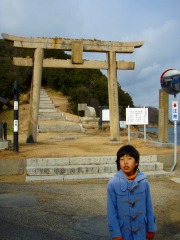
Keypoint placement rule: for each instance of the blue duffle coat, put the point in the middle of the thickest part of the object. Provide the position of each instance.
(129, 207)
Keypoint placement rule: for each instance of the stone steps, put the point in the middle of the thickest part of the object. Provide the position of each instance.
(46, 116)
(61, 127)
(48, 112)
(46, 105)
(102, 167)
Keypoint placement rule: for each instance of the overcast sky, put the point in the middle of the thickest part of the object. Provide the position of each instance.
(156, 22)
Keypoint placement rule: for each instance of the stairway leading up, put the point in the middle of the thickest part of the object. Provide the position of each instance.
(50, 120)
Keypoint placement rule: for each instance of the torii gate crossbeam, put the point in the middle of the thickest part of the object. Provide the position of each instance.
(77, 47)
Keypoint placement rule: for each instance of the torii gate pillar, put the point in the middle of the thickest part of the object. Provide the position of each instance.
(163, 117)
(35, 95)
(113, 96)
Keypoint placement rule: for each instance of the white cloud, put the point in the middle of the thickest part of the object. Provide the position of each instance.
(159, 52)
(146, 72)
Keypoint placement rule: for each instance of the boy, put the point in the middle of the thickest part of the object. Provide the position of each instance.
(129, 206)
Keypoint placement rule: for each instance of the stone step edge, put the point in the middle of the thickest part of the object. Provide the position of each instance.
(84, 169)
(48, 110)
(92, 165)
(105, 176)
(52, 118)
(57, 113)
(82, 160)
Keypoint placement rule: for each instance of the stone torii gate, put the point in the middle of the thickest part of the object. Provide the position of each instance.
(77, 47)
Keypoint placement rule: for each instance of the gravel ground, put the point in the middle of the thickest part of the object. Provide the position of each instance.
(76, 210)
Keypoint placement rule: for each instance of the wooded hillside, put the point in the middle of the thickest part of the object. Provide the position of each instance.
(80, 85)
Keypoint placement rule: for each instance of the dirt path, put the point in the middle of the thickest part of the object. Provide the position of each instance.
(93, 142)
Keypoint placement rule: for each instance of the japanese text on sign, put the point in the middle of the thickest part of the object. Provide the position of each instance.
(175, 110)
(136, 116)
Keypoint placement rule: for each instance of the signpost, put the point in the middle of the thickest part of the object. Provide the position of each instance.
(16, 113)
(136, 116)
(170, 83)
(175, 110)
(175, 119)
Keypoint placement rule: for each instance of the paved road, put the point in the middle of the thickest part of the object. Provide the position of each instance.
(71, 210)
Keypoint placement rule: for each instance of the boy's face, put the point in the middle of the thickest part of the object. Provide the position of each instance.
(128, 164)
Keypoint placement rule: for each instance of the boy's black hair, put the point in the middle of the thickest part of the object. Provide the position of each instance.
(127, 150)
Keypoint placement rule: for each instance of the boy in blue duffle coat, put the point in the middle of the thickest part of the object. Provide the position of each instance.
(129, 205)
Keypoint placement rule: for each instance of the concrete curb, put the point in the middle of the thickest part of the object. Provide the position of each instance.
(12, 167)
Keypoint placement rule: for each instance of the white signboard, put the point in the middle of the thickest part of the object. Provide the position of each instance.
(122, 124)
(175, 110)
(105, 115)
(15, 125)
(136, 116)
(15, 105)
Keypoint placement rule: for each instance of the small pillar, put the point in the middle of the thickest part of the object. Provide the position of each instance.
(77, 52)
(4, 144)
(163, 116)
(1, 131)
(35, 95)
(113, 97)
